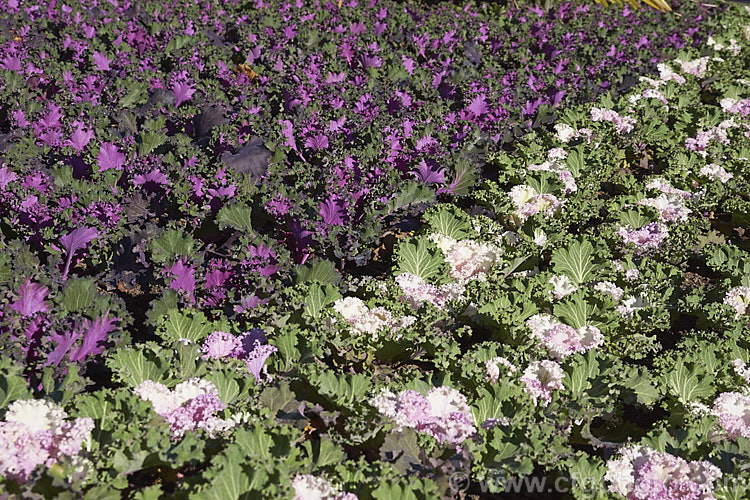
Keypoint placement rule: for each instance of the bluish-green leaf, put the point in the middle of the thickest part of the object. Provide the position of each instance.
(419, 259)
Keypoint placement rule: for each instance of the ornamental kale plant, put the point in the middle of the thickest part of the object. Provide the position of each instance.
(374, 250)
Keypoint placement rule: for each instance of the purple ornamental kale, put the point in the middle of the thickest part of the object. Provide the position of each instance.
(183, 92)
(251, 347)
(478, 105)
(331, 213)
(110, 157)
(426, 174)
(80, 138)
(31, 299)
(76, 240)
(94, 335)
(101, 62)
(6, 177)
(184, 278)
(317, 142)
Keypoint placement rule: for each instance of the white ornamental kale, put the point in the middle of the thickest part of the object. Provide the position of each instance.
(739, 299)
(741, 369)
(696, 67)
(529, 202)
(565, 133)
(733, 411)
(493, 368)
(623, 124)
(609, 288)
(556, 164)
(629, 306)
(362, 319)
(309, 487)
(561, 286)
(468, 259)
(715, 172)
(417, 291)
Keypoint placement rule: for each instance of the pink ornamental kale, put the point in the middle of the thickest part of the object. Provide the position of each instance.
(250, 347)
(541, 378)
(649, 237)
(741, 107)
(641, 473)
(623, 124)
(190, 406)
(443, 413)
(417, 291)
(222, 345)
(36, 433)
(562, 340)
(733, 411)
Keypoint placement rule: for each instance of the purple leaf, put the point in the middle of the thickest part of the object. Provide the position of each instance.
(80, 138)
(52, 119)
(182, 92)
(110, 157)
(478, 106)
(11, 63)
(256, 359)
(64, 343)
(31, 299)
(251, 159)
(287, 131)
(249, 340)
(317, 142)
(78, 238)
(6, 177)
(101, 62)
(531, 107)
(298, 241)
(429, 176)
(50, 137)
(248, 303)
(95, 333)
(331, 213)
(462, 181)
(184, 278)
(558, 97)
(155, 176)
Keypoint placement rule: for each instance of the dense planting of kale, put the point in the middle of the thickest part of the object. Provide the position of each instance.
(174, 170)
(243, 139)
